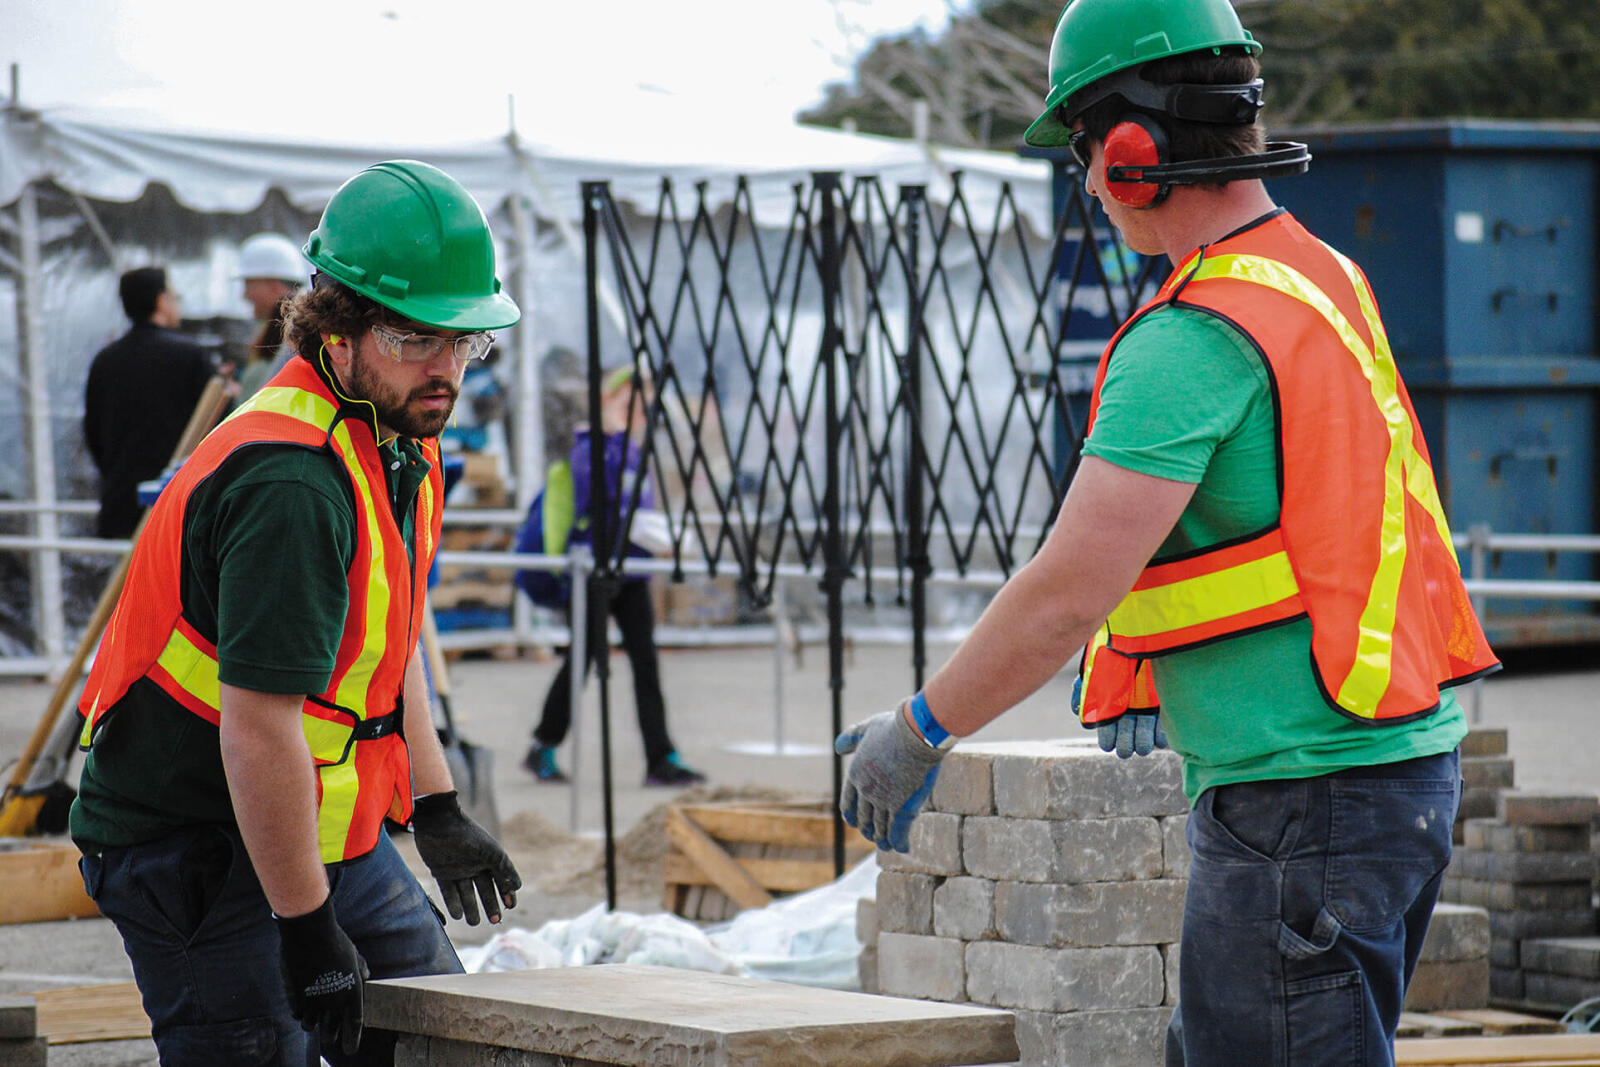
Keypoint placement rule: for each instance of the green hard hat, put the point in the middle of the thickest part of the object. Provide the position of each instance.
(1095, 38)
(407, 235)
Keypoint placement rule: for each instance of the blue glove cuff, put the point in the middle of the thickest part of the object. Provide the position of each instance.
(937, 737)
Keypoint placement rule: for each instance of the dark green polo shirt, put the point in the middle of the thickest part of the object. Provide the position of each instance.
(268, 540)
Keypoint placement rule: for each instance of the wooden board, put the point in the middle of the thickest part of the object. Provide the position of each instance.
(40, 883)
(110, 1012)
(1421, 1024)
(727, 857)
(1525, 1050)
(1495, 1021)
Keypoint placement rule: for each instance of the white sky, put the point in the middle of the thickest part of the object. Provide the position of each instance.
(443, 68)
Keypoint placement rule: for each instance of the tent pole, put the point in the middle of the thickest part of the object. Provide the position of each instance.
(47, 590)
(530, 456)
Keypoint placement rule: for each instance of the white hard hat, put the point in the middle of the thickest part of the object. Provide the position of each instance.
(272, 255)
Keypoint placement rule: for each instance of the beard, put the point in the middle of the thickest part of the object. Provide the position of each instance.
(403, 415)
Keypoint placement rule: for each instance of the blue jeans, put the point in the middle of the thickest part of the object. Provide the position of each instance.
(205, 950)
(1308, 901)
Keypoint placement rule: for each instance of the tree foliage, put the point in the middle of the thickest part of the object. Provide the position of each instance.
(1325, 61)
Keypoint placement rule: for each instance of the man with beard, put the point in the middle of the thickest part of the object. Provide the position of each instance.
(258, 709)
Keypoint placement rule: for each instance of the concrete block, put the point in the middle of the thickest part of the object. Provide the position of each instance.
(1492, 835)
(1531, 808)
(1573, 957)
(928, 968)
(24, 1051)
(1175, 846)
(1456, 932)
(1088, 916)
(1488, 772)
(1525, 924)
(1478, 803)
(1557, 990)
(415, 1050)
(1505, 951)
(1072, 851)
(1505, 983)
(19, 1017)
(1522, 866)
(1134, 1037)
(1485, 741)
(1064, 979)
(963, 908)
(867, 921)
(867, 969)
(1079, 781)
(966, 783)
(935, 847)
(1035, 1037)
(1515, 896)
(1170, 954)
(1443, 985)
(905, 902)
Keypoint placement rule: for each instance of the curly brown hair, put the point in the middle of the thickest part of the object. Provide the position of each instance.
(328, 307)
(1188, 140)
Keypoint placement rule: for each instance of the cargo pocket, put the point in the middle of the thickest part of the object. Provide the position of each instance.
(1325, 1020)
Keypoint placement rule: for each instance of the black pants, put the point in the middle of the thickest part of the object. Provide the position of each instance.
(636, 618)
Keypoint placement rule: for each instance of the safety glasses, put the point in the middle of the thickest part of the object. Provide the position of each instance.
(1078, 144)
(426, 347)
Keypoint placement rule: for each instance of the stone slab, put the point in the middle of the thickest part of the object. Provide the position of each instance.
(1558, 989)
(1519, 896)
(935, 846)
(905, 902)
(1492, 835)
(641, 1015)
(1574, 957)
(1525, 924)
(1064, 850)
(1065, 979)
(1487, 772)
(965, 785)
(1134, 1037)
(1533, 808)
(1522, 866)
(1076, 780)
(929, 968)
(1486, 741)
(1090, 916)
(24, 1051)
(964, 908)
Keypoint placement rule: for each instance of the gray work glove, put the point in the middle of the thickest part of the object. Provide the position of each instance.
(890, 778)
(323, 975)
(1131, 733)
(462, 857)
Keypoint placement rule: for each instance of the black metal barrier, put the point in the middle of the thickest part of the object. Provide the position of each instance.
(877, 389)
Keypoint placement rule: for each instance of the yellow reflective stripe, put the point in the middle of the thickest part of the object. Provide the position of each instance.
(192, 668)
(327, 739)
(340, 786)
(356, 681)
(1205, 598)
(1404, 470)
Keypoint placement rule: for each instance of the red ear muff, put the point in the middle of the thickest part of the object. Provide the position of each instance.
(1134, 143)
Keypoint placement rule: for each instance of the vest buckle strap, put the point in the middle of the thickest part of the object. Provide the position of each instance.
(382, 726)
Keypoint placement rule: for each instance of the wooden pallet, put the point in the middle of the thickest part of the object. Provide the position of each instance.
(1470, 1022)
(41, 883)
(1517, 1050)
(728, 857)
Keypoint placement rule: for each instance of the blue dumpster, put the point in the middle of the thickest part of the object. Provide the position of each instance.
(1480, 241)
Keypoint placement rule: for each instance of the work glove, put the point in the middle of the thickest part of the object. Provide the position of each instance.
(323, 975)
(461, 856)
(890, 778)
(1131, 733)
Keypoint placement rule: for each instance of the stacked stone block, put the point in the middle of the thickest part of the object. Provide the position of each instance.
(1532, 867)
(1487, 771)
(1453, 970)
(1561, 972)
(1046, 878)
(20, 1043)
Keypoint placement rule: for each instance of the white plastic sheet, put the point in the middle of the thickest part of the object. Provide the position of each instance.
(808, 939)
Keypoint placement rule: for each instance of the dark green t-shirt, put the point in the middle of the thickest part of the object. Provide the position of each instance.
(1187, 398)
(268, 541)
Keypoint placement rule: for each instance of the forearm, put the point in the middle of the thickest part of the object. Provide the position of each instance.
(272, 780)
(429, 771)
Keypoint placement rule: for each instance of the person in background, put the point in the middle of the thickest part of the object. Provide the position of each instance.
(272, 270)
(623, 404)
(142, 389)
(258, 714)
(1255, 554)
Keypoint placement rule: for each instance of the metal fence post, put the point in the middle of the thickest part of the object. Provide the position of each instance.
(912, 199)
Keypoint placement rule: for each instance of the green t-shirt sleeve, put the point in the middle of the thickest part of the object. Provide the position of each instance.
(282, 539)
(1180, 383)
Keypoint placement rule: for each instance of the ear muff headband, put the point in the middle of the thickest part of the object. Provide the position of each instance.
(1134, 149)
(1280, 160)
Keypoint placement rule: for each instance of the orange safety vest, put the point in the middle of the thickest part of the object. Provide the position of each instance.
(353, 728)
(1361, 546)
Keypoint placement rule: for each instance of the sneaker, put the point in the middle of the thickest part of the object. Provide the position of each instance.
(541, 763)
(672, 771)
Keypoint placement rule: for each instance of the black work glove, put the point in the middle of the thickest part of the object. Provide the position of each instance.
(322, 973)
(461, 856)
